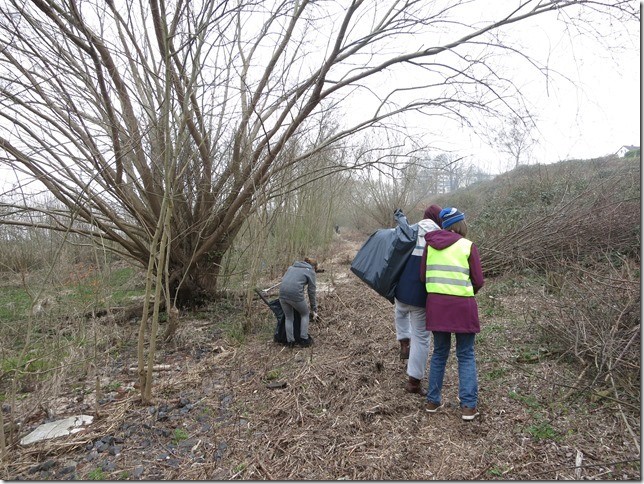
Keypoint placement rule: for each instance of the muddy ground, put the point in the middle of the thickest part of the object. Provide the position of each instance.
(338, 410)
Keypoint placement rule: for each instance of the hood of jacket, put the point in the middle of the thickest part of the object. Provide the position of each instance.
(426, 225)
(439, 239)
(433, 213)
(302, 264)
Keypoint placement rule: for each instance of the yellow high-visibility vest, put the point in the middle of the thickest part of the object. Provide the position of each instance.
(448, 270)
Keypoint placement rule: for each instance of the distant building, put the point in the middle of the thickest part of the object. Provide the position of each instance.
(626, 149)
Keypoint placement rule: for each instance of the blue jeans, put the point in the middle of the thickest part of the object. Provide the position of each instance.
(467, 380)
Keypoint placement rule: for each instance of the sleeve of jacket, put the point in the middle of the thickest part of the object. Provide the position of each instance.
(311, 287)
(476, 272)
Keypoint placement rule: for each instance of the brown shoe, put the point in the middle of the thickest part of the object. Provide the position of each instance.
(432, 407)
(404, 349)
(413, 386)
(469, 413)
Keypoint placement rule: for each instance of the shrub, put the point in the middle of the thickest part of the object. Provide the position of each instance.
(594, 317)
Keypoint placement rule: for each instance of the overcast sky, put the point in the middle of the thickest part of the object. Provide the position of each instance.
(592, 116)
(589, 109)
(597, 114)
(578, 122)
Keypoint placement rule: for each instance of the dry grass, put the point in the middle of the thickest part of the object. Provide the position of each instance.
(342, 412)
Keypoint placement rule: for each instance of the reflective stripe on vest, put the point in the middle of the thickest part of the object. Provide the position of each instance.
(448, 270)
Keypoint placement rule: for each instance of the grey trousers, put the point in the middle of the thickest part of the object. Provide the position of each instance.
(411, 321)
(301, 307)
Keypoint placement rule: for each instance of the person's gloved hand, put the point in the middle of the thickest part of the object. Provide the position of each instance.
(314, 315)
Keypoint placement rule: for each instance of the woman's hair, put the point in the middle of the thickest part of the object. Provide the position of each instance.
(459, 227)
(312, 261)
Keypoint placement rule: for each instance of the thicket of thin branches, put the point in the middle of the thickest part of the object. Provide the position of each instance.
(593, 315)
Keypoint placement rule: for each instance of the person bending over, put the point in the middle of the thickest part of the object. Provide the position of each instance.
(291, 295)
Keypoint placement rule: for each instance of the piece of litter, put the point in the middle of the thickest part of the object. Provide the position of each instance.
(59, 428)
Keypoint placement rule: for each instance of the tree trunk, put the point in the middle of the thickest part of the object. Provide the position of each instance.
(199, 286)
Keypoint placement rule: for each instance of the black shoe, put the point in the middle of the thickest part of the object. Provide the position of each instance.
(290, 344)
(305, 342)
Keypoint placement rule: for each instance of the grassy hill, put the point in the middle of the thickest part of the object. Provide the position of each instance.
(540, 215)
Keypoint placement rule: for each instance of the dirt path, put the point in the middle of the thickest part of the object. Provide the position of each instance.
(338, 410)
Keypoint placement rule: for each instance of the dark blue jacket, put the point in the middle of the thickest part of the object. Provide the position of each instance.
(410, 288)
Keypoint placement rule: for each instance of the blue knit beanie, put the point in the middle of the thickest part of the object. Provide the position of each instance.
(449, 216)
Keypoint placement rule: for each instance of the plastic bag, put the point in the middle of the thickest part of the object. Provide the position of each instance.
(381, 259)
(280, 327)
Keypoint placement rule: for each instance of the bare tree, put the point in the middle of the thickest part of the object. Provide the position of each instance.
(84, 85)
(451, 170)
(377, 193)
(516, 139)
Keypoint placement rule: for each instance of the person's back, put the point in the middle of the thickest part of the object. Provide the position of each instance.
(410, 288)
(446, 310)
(453, 275)
(297, 276)
(409, 306)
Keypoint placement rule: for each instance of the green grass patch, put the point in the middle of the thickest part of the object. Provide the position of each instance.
(495, 471)
(87, 294)
(495, 374)
(96, 475)
(543, 431)
(202, 315)
(179, 435)
(531, 354)
(528, 400)
(14, 304)
(491, 332)
(30, 363)
(121, 297)
(206, 412)
(113, 386)
(123, 276)
(240, 467)
(231, 320)
(540, 429)
(267, 325)
(274, 374)
(490, 306)
(124, 285)
(234, 332)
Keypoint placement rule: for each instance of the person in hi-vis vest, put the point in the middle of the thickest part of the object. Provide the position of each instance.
(451, 270)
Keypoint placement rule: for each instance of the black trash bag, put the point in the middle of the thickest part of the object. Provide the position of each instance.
(280, 328)
(381, 259)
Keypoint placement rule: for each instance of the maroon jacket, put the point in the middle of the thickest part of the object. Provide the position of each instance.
(443, 312)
